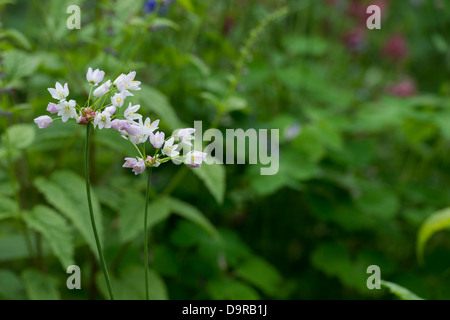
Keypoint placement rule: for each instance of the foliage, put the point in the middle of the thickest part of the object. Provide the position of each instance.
(364, 139)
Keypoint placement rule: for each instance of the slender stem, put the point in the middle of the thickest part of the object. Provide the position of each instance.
(91, 212)
(146, 233)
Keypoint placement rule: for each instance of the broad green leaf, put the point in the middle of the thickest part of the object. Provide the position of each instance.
(67, 192)
(55, 229)
(20, 135)
(13, 247)
(436, 222)
(213, 176)
(11, 286)
(19, 64)
(261, 274)
(191, 213)
(8, 208)
(152, 100)
(130, 285)
(17, 36)
(334, 260)
(40, 286)
(400, 291)
(131, 214)
(231, 290)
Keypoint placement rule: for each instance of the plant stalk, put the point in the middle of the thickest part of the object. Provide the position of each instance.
(91, 213)
(147, 195)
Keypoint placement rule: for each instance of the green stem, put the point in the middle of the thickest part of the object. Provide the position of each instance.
(91, 212)
(146, 233)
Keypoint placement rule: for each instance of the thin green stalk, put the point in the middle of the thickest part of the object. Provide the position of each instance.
(146, 232)
(91, 212)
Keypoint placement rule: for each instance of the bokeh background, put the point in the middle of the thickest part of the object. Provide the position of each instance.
(364, 120)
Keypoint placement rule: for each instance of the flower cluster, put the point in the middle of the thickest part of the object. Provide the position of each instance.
(130, 124)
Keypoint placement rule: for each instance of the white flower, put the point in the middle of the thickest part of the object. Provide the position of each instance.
(111, 110)
(59, 93)
(103, 89)
(140, 137)
(151, 126)
(185, 135)
(127, 82)
(102, 120)
(169, 148)
(118, 99)
(194, 159)
(43, 121)
(94, 77)
(157, 139)
(67, 110)
(130, 113)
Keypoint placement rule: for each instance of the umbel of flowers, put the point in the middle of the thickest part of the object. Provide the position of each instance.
(102, 109)
(105, 113)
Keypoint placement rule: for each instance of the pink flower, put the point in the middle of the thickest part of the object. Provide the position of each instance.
(403, 88)
(52, 108)
(354, 40)
(139, 167)
(396, 48)
(43, 121)
(129, 163)
(157, 139)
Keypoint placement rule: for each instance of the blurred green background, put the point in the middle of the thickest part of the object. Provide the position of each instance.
(364, 120)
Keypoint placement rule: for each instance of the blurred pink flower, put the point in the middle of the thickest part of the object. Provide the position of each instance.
(396, 48)
(403, 88)
(354, 40)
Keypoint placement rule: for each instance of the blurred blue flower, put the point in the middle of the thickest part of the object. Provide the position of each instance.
(150, 6)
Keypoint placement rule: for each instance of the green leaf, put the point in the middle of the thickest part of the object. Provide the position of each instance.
(131, 214)
(66, 192)
(20, 135)
(13, 247)
(261, 274)
(11, 286)
(19, 64)
(231, 290)
(130, 285)
(40, 286)
(400, 291)
(55, 229)
(213, 176)
(8, 208)
(164, 23)
(201, 66)
(153, 100)
(192, 214)
(17, 36)
(436, 222)
(235, 103)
